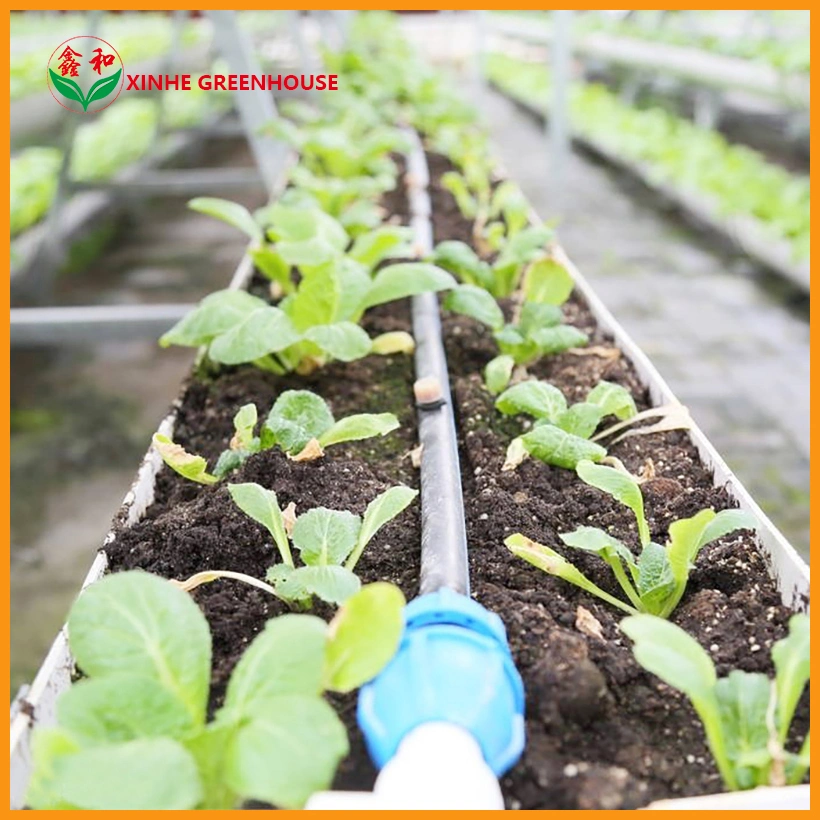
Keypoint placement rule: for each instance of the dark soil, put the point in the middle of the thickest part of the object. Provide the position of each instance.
(602, 733)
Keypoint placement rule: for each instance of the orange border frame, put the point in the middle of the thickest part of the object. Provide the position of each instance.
(815, 417)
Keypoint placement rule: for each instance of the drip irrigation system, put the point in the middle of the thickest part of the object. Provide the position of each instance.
(445, 718)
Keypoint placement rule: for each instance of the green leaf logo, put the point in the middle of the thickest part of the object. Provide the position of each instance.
(72, 91)
(102, 88)
(68, 88)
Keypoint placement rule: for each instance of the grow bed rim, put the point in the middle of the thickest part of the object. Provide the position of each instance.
(85, 204)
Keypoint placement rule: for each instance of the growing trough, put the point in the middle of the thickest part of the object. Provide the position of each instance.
(692, 65)
(37, 705)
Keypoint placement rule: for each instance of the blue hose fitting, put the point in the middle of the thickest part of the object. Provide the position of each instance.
(453, 665)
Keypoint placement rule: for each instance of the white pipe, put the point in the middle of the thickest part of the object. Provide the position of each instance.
(437, 766)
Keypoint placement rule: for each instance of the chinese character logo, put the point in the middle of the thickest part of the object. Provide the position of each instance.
(89, 63)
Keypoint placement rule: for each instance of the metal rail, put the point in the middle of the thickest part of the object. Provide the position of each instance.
(50, 326)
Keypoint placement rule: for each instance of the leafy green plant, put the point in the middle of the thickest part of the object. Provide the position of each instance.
(330, 543)
(133, 733)
(537, 332)
(300, 423)
(33, 176)
(342, 148)
(498, 214)
(560, 433)
(525, 262)
(316, 324)
(653, 583)
(295, 233)
(739, 180)
(745, 715)
(350, 200)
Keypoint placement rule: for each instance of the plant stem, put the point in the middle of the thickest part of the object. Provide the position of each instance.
(271, 364)
(611, 599)
(709, 714)
(626, 584)
(802, 763)
(354, 556)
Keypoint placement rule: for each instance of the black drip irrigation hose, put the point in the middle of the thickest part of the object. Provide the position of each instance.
(443, 531)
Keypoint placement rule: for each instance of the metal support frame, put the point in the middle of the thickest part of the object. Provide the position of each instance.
(559, 137)
(82, 325)
(49, 326)
(256, 108)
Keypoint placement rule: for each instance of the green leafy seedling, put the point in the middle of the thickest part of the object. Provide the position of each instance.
(133, 733)
(329, 542)
(538, 332)
(745, 715)
(653, 583)
(561, 432)
(300, 423)
(314, 325)
(524, 262)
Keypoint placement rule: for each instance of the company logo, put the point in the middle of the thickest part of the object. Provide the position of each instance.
(85, 74)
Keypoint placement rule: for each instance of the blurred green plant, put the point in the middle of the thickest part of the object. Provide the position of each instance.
(740, 180)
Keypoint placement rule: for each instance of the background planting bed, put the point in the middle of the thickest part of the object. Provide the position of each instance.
(547, 777)
(78, 214)
(747, 234)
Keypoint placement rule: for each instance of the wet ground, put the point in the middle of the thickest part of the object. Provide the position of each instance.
(82, 417)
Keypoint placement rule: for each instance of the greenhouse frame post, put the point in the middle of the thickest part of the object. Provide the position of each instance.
(256, 108)
(561, 54)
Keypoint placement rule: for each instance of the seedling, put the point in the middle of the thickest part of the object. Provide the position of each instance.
(342, 149)
(351, 201)
(657, 579)
(296, 233)
(300, 423)
(538, 332)
(330, 543)
(745, 715)
(498, 215)
(133, 732)
(524, 263)
(560, 433)
(316, 324)
(318, 319)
